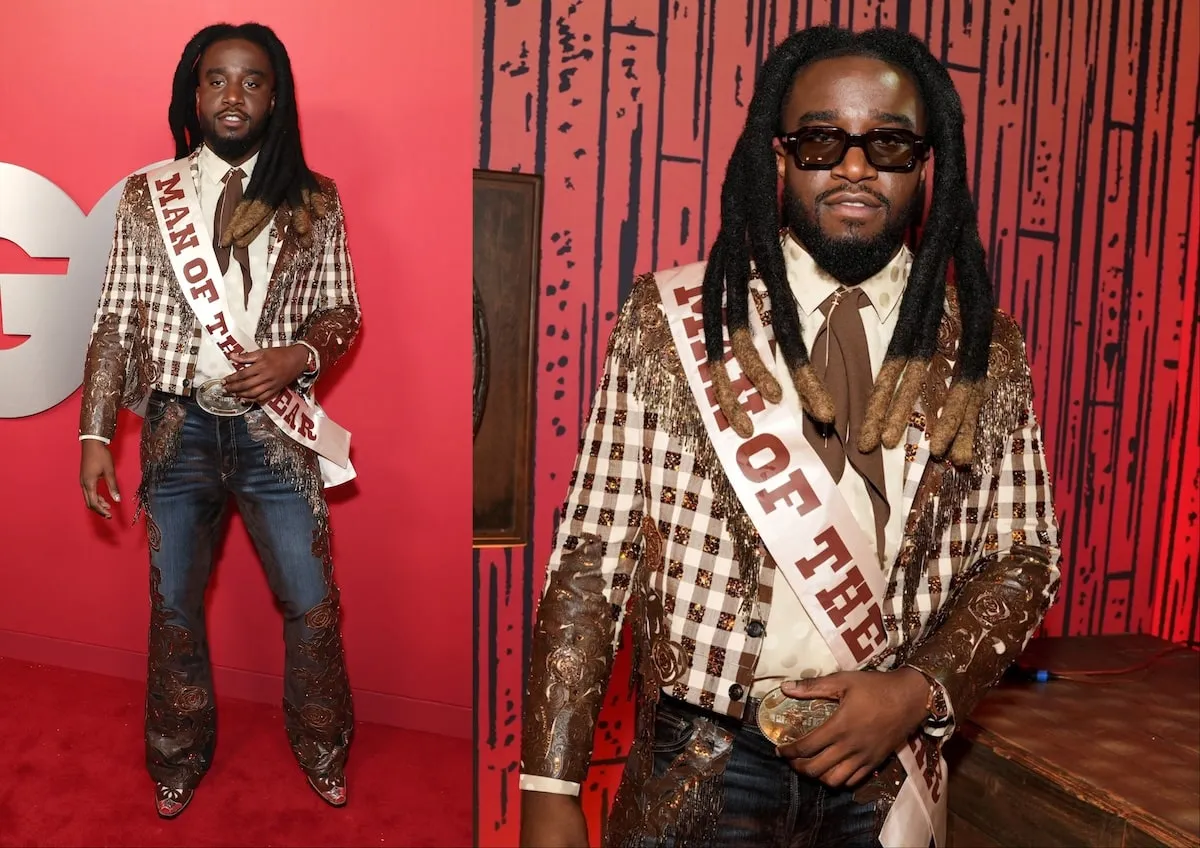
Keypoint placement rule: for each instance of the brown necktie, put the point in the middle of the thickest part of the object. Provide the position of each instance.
(227, 203)
(842, 361)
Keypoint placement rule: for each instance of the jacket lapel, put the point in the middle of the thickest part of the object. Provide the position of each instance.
(916, 457)
(194, 167)
(928, 407)
(277, 245)
(275, 234)
(762, 304)
(281, 251)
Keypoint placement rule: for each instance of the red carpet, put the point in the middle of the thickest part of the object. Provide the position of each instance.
(72, 774)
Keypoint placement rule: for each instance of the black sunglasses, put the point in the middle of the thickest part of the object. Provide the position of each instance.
(822, 148)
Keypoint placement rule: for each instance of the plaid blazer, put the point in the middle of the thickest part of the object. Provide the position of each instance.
(649, 505)
(145, 335)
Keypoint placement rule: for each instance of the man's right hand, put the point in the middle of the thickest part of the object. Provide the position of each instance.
(549, 820)
(95, 462)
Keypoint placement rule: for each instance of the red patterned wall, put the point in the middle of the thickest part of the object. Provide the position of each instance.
(1082, 118)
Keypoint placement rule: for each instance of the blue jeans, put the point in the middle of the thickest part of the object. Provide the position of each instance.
(766, 802)
(192, 463)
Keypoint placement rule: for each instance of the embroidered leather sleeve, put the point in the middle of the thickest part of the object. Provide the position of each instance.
(1000, 600)
(333, 326)
(588, 581)
(987, 625)
(572, 656)
(112, 341)
(331, 332)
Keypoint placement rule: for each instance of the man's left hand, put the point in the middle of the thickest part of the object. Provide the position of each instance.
(877, 713)
(264, 373)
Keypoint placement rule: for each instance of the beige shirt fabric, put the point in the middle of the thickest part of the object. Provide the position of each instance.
(211, 364)
(792, 645)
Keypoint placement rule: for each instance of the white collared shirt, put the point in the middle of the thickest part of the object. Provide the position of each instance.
(792, 645)
(210, 362)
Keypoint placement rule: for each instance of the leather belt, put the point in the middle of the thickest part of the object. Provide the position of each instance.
(169, 397)
(749, 712)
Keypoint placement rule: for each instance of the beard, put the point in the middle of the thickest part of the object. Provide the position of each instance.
(234, 148)
(850, 259)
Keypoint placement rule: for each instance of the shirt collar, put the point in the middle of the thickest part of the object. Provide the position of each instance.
(811, 286)
(213, 168)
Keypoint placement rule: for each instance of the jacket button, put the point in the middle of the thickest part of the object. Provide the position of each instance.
(735, 692)
(755, 629)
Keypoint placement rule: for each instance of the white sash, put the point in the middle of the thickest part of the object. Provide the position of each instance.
(806, 525)
(189, 245)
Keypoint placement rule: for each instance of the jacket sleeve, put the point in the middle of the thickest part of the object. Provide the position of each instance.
(110, 350)
(1002, 597)
(588, 579)
(334, 325)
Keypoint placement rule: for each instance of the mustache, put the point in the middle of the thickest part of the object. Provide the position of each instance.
(825, 195)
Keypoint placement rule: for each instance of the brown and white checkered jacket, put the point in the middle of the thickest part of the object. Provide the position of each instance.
(146, 337)
(649, 506)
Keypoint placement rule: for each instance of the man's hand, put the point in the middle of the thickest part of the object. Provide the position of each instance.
(96, 461)
(878, 712)
(549, 820)
(264, 373)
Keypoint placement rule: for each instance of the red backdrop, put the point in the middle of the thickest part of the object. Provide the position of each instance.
(1081, 121)
(86, 88)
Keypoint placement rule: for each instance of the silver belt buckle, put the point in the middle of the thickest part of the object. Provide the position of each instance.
(214, 400)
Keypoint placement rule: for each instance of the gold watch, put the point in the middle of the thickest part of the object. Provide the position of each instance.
(936, 706)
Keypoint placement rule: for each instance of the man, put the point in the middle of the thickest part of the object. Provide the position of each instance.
(229, 291)
(814, 470)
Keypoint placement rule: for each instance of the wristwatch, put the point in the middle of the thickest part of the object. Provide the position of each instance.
(936, 706)
(313, 363)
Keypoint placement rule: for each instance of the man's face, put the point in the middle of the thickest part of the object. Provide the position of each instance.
(852, 217)
(234, 98)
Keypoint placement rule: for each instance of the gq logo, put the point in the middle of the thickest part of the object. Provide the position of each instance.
(54, 311)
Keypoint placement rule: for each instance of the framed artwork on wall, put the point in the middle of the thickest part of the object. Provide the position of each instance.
(507, 226)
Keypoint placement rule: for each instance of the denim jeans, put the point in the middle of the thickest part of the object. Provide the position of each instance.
(192, 464)
(766, 802)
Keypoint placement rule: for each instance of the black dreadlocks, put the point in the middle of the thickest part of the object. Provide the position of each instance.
(750, 226)
(281, 174)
